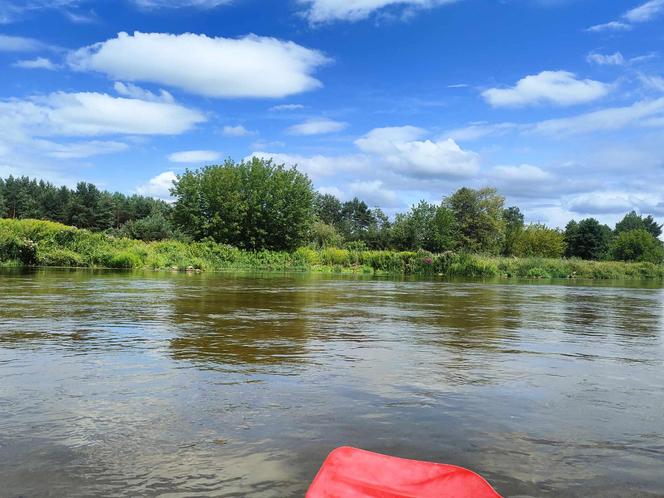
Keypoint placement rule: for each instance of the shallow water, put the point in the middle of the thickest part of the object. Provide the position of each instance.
(121, 384)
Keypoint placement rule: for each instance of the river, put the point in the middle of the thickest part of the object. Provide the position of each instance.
(149, 384)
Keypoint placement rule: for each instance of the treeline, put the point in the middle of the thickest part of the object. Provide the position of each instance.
(86, 207)
(259, 205)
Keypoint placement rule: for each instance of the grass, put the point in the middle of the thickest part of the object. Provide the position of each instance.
(45, 243)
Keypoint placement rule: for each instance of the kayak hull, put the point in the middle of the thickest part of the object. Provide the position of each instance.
(354, 473)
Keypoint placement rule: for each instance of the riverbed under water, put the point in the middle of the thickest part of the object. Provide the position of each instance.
(147, 384)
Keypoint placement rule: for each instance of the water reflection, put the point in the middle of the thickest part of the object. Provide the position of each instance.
(233, 385)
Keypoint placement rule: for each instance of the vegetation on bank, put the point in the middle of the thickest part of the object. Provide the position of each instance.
(272, 211)
(44, 243)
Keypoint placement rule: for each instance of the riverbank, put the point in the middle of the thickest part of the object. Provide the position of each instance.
(44, 243)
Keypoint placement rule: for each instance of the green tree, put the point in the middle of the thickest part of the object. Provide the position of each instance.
(478, 216)
(356, 219)
(2, 199)
(637, 245)
(328, 209)
(633, 221)
(150, 228)
(513, 226)
(254, 204)
(539, 240)
(587, 239)
(324, 235)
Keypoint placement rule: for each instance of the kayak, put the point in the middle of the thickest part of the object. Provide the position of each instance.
(354, 473)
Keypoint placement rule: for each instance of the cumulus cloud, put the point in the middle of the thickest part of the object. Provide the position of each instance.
(553, 87)
(394, 150)
(400, 148)
(222, 67)
(316, 127)
(615, 59)
(319, 11)
(236, 131)
(158, 186)
(194, 156)
(374, 193)
(37, 63)
(88, 113)
(317, 166)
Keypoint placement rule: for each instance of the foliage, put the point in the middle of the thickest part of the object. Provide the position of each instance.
(324, 235)
(539, 241)
(427, 226)
(84, 207)
(253, 205)
(150, 228)
(514, 223)
(633, 221)
(587, 239)
(327, 209)
(478, 216)
(31, 242)
(637, 245)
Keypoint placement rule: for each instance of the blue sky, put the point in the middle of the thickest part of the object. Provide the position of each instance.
(557, 103)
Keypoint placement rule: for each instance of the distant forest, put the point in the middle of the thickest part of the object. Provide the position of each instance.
(258, 205)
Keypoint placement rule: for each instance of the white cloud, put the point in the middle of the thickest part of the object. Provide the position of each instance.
(251, 66)
(612, 118)
(20, 44)
(176, 4)
(479, 130)
(603, 202)
(400, 149)
(194, 156)
(335, 191)
(319, 11)
(287, 107)
(645, 12)
(524, 175)
(12, 10)
(610, 26)
(236, 131)
(136, 92)
(317, 166)
(84, 114)
(316, 127)
(374, 193)
(615, 59)
(79, 150)
(555, 87)
(653, 82)
(159, 186)
(37, 63)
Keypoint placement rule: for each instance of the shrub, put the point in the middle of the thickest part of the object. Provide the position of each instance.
(538, 240)
(637, 245)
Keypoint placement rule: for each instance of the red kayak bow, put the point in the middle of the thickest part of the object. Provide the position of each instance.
(352, 473)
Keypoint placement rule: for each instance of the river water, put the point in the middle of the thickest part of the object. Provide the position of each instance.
(145, 384)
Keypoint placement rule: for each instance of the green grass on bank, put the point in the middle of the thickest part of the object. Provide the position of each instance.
(44, 243)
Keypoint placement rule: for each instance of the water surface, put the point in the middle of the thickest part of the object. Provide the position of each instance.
(121, 384)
